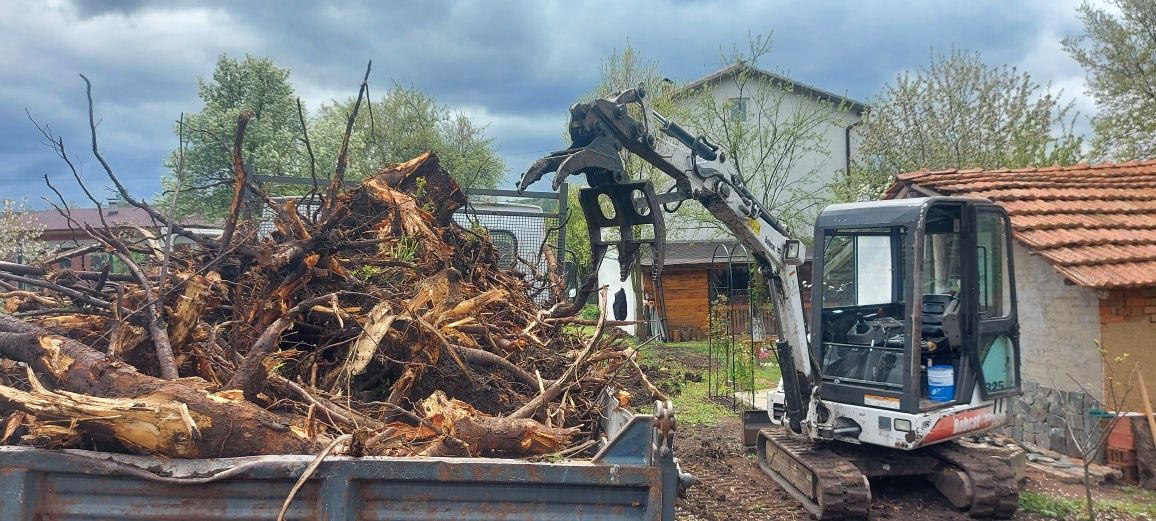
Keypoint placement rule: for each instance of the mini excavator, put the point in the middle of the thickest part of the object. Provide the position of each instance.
(914, 337)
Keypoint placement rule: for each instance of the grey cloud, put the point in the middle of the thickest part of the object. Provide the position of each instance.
(519, 63)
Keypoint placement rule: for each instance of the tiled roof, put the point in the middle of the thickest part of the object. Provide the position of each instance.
(1096, 224)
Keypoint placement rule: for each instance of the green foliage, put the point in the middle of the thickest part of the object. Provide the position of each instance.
(1118, 51)
(1135, 503)
(395, 128)
(590, 312)
(1052, 507)
(577, 234)
(271, 139)
(733, 351)
(399, 126)
(957, 112)
(405, 249)
(366, 272)
(686, 383)
(19, 232)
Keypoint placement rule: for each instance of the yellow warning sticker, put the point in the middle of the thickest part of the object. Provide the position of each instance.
(754, 225)
(880, 401)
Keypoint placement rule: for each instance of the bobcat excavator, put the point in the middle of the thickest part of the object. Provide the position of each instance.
(914, 339)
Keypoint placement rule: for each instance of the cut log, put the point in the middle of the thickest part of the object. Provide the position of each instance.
(487, 434)
(228, 425)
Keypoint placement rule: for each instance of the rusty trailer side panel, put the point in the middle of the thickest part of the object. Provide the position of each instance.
(632, 477)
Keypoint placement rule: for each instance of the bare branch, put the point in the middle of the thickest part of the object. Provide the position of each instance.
(239, 179)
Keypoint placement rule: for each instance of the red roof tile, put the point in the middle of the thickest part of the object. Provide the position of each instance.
(1096, 224)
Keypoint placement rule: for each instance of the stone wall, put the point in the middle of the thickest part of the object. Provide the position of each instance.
(1042, 416)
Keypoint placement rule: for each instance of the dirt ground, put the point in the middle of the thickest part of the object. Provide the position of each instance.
(731, 486)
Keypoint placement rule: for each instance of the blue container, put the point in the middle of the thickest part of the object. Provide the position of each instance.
(941, 383)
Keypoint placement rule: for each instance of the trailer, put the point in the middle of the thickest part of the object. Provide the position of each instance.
(634, 476)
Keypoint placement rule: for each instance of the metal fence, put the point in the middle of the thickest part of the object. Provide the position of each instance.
(527, 229)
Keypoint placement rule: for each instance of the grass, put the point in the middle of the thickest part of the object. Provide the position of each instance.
(1136, 504)
(691, 396)
(673, 363)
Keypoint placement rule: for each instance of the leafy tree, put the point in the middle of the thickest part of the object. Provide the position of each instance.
(1118, 51)
(19, 232)
(957, 112)
(401, 125)
(396, 128)
(271, 140)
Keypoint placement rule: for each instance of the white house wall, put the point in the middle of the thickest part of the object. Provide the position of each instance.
(826, 164)
(608, 276)
(1059, 324)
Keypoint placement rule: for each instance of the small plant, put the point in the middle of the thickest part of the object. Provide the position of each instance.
(405, 249)
(366, 272)
(589, 312)
(419, 191)
(1049, 506)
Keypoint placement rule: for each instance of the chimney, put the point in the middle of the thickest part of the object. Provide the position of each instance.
(113, 207)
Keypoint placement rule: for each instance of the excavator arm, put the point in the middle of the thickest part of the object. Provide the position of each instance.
(600, 131)
(830, 482)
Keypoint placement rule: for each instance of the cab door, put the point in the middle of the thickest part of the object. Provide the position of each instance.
(997, 351)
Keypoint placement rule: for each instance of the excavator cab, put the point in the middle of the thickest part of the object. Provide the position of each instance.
(913, 304)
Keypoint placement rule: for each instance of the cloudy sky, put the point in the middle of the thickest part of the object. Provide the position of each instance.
(514, 66)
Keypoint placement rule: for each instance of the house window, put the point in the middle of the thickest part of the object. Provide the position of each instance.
(738, 109)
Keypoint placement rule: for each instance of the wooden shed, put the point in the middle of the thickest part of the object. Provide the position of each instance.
(694, 275)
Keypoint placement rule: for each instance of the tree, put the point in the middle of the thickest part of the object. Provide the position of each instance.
(402, 124)
(271, 139)
(1119, 54)
(19, 232)
(957, 112)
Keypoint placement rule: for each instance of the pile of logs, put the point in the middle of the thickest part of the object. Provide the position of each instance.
(375, 317)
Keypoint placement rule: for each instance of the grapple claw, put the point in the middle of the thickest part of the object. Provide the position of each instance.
(633, 203)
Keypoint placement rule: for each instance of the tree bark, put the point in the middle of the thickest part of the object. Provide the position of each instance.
(226, 425)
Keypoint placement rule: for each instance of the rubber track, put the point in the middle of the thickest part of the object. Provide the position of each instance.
(992, 481)
(842, 490)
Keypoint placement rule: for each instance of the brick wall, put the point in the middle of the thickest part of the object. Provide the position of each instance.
(1128, 305)
(1128, 332)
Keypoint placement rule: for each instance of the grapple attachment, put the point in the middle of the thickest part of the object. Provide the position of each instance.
(612, 200)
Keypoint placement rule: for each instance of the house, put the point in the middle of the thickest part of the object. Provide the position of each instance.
(765, 98)
(63, 233)
(1085, 267)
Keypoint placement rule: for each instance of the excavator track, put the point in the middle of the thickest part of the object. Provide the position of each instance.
(827, 484)
(994, 493)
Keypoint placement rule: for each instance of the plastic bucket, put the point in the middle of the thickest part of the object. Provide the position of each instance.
(941, 383)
